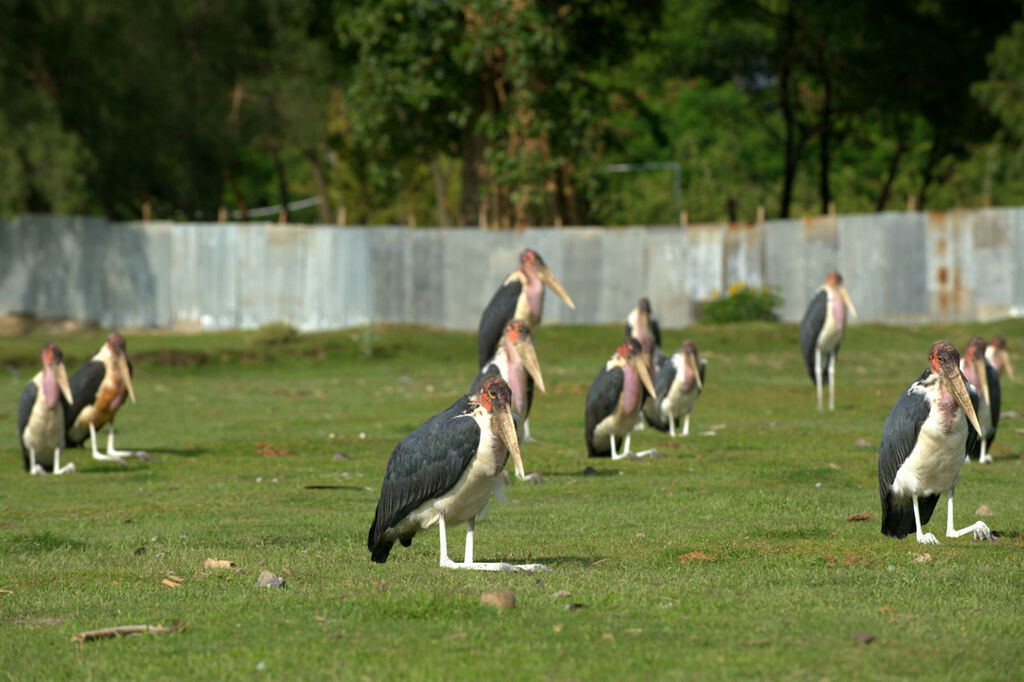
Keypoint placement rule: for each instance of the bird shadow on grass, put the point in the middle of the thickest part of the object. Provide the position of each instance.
(586, 473)
(334, 487)
(178, 452)
(555, 562)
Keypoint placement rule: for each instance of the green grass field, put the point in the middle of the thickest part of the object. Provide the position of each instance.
(730, 557)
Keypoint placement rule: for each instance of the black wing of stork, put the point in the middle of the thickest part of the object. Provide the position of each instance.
(810, 328)
(426, 463)
(662, 384)
(601, 400)
(28, 399)
(899, 436)
(995, 395)
(497, 314)
(85, 384)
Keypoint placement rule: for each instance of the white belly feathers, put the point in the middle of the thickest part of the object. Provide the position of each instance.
(934, 464)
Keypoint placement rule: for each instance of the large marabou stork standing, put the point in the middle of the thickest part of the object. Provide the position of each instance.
(614, 400)
(41, 416)
(985, 379)
(821, 332)
(677, 385)
(924, 442)
(444, 472)
(99, 389)
(997, 354)
(515, 362)
(520, 297)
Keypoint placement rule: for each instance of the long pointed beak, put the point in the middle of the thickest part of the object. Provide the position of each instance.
(691, 360)
(122, 366)
(640, 365)
(981, 370)
(1004, 357)
(959, 390)
(528, 354)
(507, 432)
(62, 382)
(551, 282)
(845, 295)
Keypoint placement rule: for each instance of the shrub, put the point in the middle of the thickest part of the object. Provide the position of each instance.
(740, 304)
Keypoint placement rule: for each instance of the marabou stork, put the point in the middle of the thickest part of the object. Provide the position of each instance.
(641, 325)
(924, 442)
(676, 387)
(515, 362)
(521, 297)
(41, 416)
(996, 354)
(821, 332)
(985, 379)
(613, 402)
(99, 389)
(444, 472)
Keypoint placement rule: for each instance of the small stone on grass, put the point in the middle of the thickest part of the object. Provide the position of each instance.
(863, 637)
(501, 600)
(984, 510)
(268, 579)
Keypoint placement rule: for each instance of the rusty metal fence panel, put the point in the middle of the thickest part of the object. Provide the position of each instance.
(899, 267)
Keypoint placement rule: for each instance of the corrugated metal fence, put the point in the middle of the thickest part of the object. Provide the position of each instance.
(899, 268)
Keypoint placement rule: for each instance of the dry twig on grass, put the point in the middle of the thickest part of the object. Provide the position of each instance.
(118, 631)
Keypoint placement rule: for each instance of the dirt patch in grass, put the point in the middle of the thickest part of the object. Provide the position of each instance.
(697, 555)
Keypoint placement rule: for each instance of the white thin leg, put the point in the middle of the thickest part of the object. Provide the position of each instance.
(832, 382)
(923, 538)
(615, 455)
(671, 425)
(57, 469)
(468, 562)
(625, 446)
(985, 458)
(467, 558)
(34, 468)
(96, 454)
(686, 425)
(980, 529)
(817, 375)
(121, 453)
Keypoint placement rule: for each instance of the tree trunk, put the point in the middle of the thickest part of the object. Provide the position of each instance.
(471, 149)
(894, 163)
(239, 199)
(316, 157)
(788, 114)
(440, 193)
(825, 147)
(282, 184)
(928, 174)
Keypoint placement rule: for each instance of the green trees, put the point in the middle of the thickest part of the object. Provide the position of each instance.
(508, 113)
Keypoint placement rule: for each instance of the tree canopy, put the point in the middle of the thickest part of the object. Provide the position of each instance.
(509, 113)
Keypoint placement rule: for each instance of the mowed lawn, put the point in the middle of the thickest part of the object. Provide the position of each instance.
(732, 556)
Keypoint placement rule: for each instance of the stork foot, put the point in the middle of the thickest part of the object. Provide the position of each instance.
(985, 459)
(652, 454)
(37, 470)
(927, 539)
(68, 468)
(138, 454)
(982, 533)
(108, 458)
(494, 566)
(532, 478)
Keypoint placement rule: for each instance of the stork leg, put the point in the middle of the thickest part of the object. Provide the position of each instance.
(616, 455)
(34, 468)
(686, 425)
(625, 445)
(923, 538)
(57, 469)
(985, 458)
(467, 560)
(96, 454)
(979, 528)
(832, 382)
(141, 454)
(817, 375)
(671, 425)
